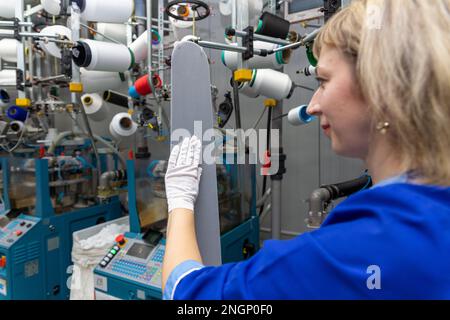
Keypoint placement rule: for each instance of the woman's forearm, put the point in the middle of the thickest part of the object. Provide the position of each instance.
(181, 241)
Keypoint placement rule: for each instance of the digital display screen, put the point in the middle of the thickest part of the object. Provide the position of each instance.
(140, 250)
(302, 5)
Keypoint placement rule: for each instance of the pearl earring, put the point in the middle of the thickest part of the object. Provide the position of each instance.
(383, 126)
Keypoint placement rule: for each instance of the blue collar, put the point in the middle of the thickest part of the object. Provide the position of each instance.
(403, 178)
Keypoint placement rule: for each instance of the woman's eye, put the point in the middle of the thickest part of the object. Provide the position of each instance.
(321, 82)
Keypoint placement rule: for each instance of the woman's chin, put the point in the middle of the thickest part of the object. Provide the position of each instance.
(343, 150)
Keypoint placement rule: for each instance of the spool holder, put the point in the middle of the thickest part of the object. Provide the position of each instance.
(225, 110)
(19, 80)
(16, 29)
(247, 42)
(66, 62)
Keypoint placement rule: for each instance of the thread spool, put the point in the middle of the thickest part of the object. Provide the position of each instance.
(17, 113)
(247, 90)
(112, 11)
(52, 48)
(94, 106)
(142, 86)
(102, 56)
(116, 98)
(8, 77)
(52, 6)
(272, 84)
(298, 116)
(4, 98)
(98, 81)
(273, 26)
(139, 47)
(122, 125)
(273, 61)
(8, 50)
(310, 71)
(16, 126)
(115, 31)
(7, 9)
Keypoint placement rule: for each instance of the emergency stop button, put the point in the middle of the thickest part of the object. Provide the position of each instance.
(120, 239)
(18, 233)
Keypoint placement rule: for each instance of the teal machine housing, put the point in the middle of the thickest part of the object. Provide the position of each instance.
(35, 249)
(132, 268)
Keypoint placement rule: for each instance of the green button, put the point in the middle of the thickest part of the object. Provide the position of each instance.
(113, 251)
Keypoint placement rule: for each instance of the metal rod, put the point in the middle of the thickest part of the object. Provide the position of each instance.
(38, 35)
(21, 47)
(276, 182)
(310, 37)
(289, 46)
(7, 33)
(58, 77)
(220, 46)
(264, 198)
(3, 33)
(262, 37)
(149, 52)
(304, 87)
(154, 26)
(227, 47)
(153, 19)
(30, 55)
(93, 30)
(31, 11)
(129, 77)
(276, 209)
(70, 43)
(161, 57)
(11, 24)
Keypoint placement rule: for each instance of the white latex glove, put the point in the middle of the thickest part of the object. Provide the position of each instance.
(183, 174)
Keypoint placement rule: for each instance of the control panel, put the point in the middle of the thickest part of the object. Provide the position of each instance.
(3, 283)
(136, 260)
(15, 230)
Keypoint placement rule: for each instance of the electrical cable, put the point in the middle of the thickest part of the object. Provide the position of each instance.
(91, 137)
(259, 119)
(20, 138)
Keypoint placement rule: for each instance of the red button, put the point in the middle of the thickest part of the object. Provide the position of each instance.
(120, 239)
(3, 262)
(19, 233)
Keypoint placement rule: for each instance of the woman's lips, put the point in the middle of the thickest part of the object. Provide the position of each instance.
(326, 129)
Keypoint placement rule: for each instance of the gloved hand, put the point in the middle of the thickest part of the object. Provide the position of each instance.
(183, 174)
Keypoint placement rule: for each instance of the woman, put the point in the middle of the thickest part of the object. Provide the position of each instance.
(384, 97)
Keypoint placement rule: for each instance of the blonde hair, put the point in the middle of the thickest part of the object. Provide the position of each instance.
(401, 50)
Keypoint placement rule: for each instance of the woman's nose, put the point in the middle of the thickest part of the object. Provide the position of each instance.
(314, 107)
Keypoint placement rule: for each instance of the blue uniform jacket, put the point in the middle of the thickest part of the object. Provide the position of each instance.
(388, 242)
